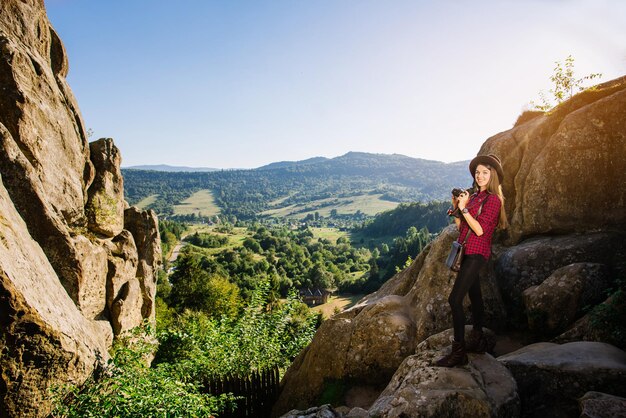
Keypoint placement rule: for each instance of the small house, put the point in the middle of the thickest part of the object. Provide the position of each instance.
(314, 297)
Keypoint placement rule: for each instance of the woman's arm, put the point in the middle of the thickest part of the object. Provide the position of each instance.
(473, 223)
(486, 221)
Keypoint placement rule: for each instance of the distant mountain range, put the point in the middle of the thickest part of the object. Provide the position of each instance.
(171, 168)
(354, 181)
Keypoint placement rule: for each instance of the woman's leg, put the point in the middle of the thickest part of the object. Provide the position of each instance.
(466, 278)
(478, 308)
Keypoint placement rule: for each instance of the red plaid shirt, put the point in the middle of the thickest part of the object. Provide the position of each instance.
(488, 220)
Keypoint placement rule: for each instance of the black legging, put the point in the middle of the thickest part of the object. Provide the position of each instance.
(467, 282)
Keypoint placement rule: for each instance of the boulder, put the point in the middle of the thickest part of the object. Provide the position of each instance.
(551, 377)
(324, 411)
(105, 205)
(365, 344)
(44, 338)
(604, 323)
(602, 405)
(336, 357)
(559, 300)
(532, 261)
(144, 226)
(483, 388)
(357, 413)
(574, 151)
(124, 297)
(91, 276)
(46, 154)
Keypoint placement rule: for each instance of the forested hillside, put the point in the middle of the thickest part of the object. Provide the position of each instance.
(247, 193)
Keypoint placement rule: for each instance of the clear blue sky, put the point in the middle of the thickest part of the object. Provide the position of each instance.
(244, 83)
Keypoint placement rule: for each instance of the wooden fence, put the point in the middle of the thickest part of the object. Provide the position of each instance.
(258, 391)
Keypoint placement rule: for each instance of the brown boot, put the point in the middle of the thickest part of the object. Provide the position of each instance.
(457, 356)
(476, 342)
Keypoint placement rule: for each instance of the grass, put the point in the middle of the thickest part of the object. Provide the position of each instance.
(280, 200)
(201, 202)
(235, 238)
(340, 302)
(370, 204)
(331, 234)
(358, 239)
(144, 203)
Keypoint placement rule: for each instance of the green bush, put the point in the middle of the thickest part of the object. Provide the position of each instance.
(127, 387)
(198, 347)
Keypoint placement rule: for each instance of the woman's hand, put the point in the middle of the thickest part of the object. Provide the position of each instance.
(462, 200)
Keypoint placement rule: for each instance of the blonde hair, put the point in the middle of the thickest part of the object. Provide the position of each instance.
(494, 187)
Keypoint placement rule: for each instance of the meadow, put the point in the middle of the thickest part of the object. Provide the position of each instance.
(144, 203)
(201, 202)
(337, 303)
(369, 204)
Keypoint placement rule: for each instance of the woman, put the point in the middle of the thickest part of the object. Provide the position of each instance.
(479, 215)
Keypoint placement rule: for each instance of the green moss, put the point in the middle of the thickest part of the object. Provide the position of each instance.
(608, 319)
(102, 209)
(537, 321)
(333, 392)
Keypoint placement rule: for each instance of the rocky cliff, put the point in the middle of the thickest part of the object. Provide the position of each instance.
(566, 202)
(77, 266)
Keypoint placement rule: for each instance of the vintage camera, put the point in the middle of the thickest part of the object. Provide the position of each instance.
(457, 191)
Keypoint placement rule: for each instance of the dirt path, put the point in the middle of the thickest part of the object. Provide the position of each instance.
(175, 252)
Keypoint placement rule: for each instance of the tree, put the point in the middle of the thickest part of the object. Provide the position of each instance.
(196, 289)
(565, 85)
(321, 278)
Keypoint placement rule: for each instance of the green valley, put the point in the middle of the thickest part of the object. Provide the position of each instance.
(352, 184)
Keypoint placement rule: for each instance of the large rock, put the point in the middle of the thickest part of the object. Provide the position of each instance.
(602, 405)
(532, 261)
(564, 169)
(428, 296)
(124, 297)
(604, 323)
(365, 344)
(483, 388)
(74, 275)
(105, 206)
(559, 300)
(551, 377)
(44, 338)
(144, 226)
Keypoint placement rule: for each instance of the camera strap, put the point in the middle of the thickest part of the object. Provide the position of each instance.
(469, 228)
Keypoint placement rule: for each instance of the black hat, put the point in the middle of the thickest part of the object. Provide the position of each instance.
(490, 160)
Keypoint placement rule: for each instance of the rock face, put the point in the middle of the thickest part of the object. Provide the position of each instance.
(483, 388)
(601, 405)
(367, 343)
(43, 334)
(74, 269)
(105, 206)
(575, 151)
(532, 261)
(552, 377)
(559, 300)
